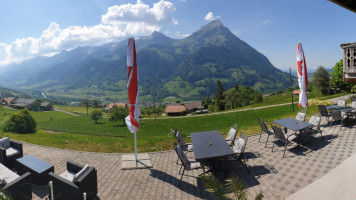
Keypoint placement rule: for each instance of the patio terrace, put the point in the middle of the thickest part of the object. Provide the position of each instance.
(277, 177)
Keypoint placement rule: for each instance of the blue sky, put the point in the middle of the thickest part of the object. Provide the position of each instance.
(44, 27)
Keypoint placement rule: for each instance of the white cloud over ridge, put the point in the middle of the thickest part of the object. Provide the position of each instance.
(210, 16)
(119, 22)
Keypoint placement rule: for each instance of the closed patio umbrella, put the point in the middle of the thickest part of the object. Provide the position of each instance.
(132, 120)
(302, 77)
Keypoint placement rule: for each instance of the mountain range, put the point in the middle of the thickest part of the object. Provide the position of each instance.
(187, 68)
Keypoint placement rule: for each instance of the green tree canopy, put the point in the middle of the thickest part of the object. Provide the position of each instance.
(219, 97)
(95, 103)
(21, 122)
(321, 78)
(96, 115)
(119, 114)
(86, 103)
(337, 79)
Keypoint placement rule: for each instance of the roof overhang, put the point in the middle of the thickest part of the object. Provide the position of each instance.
(348, 4)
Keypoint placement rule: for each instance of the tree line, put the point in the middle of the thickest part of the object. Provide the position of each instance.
(233, 98)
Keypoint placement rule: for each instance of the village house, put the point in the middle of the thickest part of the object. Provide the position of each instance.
(8, 100)
(111, 105)
(174, 110)
(194, 107)
(46, 106)
(31, 104)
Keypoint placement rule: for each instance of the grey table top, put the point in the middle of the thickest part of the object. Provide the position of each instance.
(293, 124)
(346, 109)
(209, 145)
(34, 163)
(334, 107)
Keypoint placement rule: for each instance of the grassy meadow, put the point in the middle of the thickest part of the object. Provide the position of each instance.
(62, 130)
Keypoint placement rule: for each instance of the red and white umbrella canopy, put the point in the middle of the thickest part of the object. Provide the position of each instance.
(302, 76)
(132, 121)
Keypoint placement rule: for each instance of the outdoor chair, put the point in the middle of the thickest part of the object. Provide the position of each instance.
(341, 103)
(239, 150)
(315, 120)
(186, 163)
(285, 138)
(353, 104)
(231, 136)
(337, 116)
(10, 151)
(76, 180)
(18, 187)
(264, 129)
(353, 112)
(324, 112)
(301, 116)
(184, 146)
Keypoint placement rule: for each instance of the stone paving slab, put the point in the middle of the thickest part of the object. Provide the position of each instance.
(132, 164)
(140, 156)
(275, 176)
(339, 183)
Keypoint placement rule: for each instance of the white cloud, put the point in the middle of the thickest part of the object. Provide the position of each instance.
(181, 35)
(210, 16)
(119, 22)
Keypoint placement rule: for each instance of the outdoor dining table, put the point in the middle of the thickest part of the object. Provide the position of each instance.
(294, 125)
(334, 107)
(345, 109)
(209, 145)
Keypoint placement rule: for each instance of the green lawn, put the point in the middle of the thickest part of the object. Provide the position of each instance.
(153, 135)
(66, 131)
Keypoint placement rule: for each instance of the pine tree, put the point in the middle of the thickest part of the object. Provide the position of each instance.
(219, 97)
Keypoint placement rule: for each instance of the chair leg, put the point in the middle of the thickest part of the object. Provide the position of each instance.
(285, 147)
(273, 143)
(181, 177)
(341, 124)
(267, 139)
(244, 163)
(180, 169)
(177, 161)
(259, 140)
(310, 138)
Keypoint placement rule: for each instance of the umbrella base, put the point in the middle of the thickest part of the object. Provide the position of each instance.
(128, 161)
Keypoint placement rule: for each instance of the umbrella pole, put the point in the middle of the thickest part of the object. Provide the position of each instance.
(135, 149)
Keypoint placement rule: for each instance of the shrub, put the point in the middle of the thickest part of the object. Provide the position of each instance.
(21, 122)
(96, 115)
(317, 102)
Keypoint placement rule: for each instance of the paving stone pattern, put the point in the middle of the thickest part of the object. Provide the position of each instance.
(275, 176)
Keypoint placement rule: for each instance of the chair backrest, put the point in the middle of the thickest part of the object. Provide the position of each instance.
(336, 114)
(341, 103)
(232, 133)
(278, 133)
(353, 104)
(315, 119)
(240, 144)
(263, 125)
(182, 157)
(301, 116)
(179, 139)
(323, 111)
